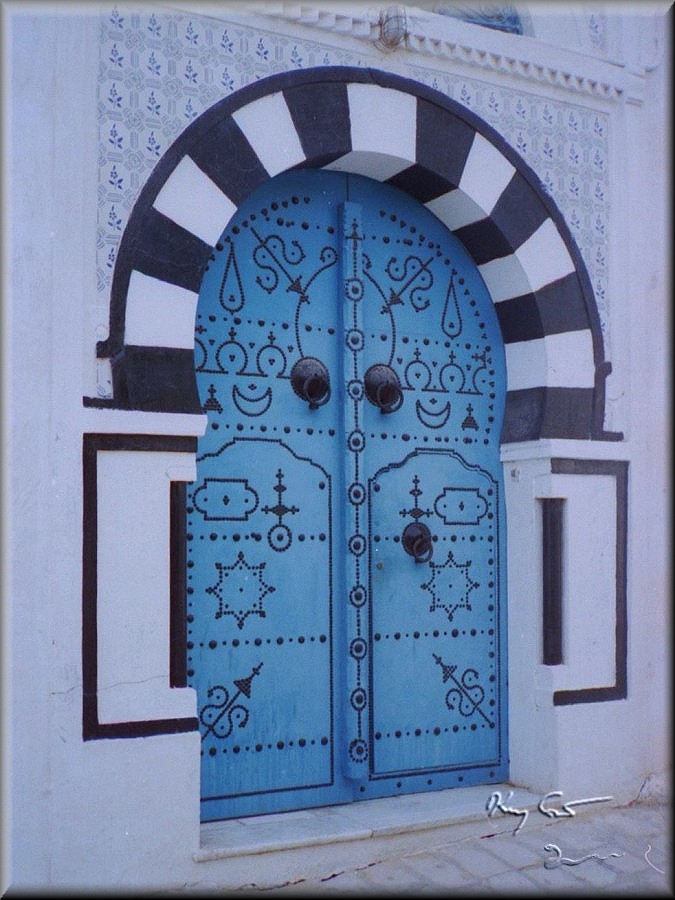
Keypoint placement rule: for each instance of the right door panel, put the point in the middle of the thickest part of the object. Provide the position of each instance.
(434, 636)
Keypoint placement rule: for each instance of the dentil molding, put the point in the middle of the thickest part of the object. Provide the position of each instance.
(440, 37)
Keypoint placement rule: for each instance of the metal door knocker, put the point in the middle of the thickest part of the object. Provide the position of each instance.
(383, 388)
(417, 541)
(310, 380)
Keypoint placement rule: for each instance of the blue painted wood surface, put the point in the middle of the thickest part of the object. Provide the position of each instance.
(330, 663)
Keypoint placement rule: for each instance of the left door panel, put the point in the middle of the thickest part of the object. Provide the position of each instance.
(262, 617)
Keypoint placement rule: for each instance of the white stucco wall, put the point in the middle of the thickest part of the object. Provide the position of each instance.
(126, 812)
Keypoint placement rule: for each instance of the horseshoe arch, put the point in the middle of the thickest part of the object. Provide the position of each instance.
(396, 131)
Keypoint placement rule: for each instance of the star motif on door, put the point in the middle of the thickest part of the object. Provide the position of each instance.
(240, 590)
(450, 586)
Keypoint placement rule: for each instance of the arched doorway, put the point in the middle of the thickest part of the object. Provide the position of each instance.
(407, 136)
(345, 554)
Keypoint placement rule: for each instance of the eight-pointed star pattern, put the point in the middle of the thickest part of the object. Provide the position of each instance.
(240, 590)
(450, 586)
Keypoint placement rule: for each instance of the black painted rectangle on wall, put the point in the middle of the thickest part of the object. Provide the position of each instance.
(92, 728)
(617, 469)
(552, 509)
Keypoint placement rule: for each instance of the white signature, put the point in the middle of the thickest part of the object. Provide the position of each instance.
(565, 810)
(495, 803)
(559, 860)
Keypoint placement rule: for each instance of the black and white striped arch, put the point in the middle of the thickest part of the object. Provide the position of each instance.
(396, 131)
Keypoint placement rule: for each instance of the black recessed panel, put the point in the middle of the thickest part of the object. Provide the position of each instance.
(552, 520)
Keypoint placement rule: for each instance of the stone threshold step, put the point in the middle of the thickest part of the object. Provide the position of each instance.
(353, 821)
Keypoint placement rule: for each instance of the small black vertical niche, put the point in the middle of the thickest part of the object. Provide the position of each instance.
(178, 586)
(552, 548)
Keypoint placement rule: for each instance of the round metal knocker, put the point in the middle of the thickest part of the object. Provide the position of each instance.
(383, 388)
(417, 541)
(310, 380)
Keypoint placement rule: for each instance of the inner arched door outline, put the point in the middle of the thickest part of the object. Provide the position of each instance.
(346, 533)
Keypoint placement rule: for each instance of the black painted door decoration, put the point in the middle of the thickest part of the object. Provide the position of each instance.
(346, 535)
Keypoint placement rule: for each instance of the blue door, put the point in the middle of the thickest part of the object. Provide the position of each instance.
(346, 534)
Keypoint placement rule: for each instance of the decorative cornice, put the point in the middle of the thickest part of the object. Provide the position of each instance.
(578, 73)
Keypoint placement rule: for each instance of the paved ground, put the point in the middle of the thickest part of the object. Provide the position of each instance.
(607, 851)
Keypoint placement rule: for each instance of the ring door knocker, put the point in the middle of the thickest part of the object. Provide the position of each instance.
(383, 388)
(417, 541)
(310, 380)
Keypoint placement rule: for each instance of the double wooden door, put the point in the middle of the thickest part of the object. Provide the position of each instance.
(346, 533)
